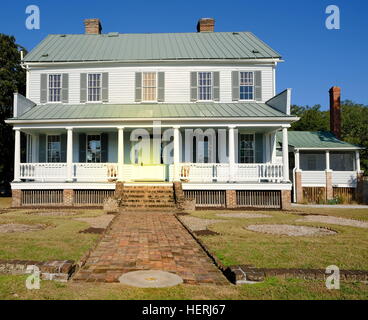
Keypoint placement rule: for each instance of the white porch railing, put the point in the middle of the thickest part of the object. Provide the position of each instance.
(223, 172)
(84, 172)
(43, 171)
(192, 172)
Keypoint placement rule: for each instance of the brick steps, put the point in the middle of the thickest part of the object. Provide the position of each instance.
(148, 197)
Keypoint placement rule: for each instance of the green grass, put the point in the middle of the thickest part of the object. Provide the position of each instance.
(13, 287)
(61, 239)
(348, 249)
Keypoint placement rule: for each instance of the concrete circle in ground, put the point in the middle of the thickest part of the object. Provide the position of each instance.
(290, 230)
(243, 215)
(18, 227)
(150, 279)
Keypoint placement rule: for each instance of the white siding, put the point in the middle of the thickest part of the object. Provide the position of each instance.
(177, 81)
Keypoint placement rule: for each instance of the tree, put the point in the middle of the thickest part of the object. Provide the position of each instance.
(311, 118)
(12, 79)
(354, 124)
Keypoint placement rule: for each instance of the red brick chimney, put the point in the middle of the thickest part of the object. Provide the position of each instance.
(335, 111)
(92, 26)
(206, 25)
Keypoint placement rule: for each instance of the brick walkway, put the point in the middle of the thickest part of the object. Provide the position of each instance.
(142, 241)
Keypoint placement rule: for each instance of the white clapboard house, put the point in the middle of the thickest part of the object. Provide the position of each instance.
(207, 97)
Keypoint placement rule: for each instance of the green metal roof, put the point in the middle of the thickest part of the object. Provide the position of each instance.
(155, 46)
(150, 111)
(314, 140)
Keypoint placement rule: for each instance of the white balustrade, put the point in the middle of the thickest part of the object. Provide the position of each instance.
(95, 172)
(43, 171)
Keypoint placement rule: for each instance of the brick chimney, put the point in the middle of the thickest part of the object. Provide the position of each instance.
(206, 25)
(92, 26)
(335, 111)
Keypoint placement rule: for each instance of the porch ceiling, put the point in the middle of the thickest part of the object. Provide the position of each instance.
(152, 111)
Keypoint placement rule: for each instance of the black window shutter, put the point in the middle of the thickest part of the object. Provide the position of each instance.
(138, 86)
(193, 86)
(258, 85)
(43, 88)
(82, 147)
(42, 148)
(83, 87)
(235, 85)
(216, 86)
(65, 88)
(104, 147)
(161, 87)
(259, 148)
(105, 87)
(63, 148)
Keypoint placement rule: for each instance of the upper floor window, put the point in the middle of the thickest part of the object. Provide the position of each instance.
(204, 85)
(94, 87)
(247, 148)
(149, 86)
(246, 85)
(94, 148)
(53, 148)
(54, 88)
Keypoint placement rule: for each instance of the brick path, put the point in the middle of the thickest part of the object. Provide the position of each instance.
(142, 241)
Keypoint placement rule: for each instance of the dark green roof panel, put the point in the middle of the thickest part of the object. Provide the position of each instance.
(314, 140)
(155, 46)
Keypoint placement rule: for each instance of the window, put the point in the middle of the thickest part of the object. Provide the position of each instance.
(204, 86)
(149, 86)
(247, 146)
(94, 87)
(54, 88)
(53, 148)
(342, 161)
(246, 85)
(93, 148)
(312, 161)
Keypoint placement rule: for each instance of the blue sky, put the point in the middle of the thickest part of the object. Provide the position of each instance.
(315, 58)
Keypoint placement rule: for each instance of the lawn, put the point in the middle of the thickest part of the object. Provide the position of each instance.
(60, 240)
(12, 287)
(348, 249)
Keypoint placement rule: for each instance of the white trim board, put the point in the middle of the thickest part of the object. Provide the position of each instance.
(237, 186)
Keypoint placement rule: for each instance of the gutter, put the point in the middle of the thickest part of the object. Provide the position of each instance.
(267, 119)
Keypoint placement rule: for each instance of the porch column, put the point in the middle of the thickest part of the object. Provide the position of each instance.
(17, 156)
(176, 153)
(285, 154)
(328, 160)
(120, 153)
(231, 152)
(357, 161)
(69, 155)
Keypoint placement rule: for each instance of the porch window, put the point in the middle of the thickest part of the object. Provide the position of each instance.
(149, 86)
(247, 148)
(94, 87)
(313, 161)
(93, 148)
(54, 88)
(246, 85)
(342, 161)
(53, 148)
(204, 86)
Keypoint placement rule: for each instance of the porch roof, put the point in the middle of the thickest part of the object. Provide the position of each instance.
(151, 111)
(310, 140)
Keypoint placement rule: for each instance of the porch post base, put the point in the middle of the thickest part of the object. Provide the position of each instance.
(359, 191)
(285, 199)
(231, 199)
(329, 189)
(298, 186)
(16, 198)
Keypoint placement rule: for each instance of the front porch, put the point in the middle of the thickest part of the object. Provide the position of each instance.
(226, 155)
